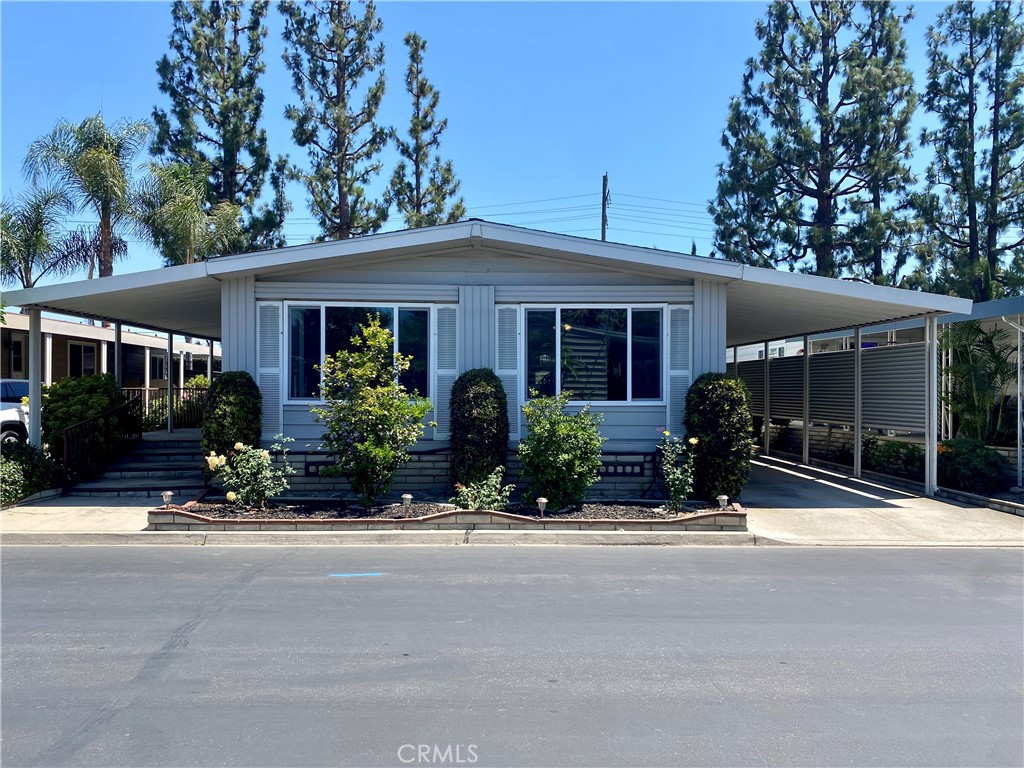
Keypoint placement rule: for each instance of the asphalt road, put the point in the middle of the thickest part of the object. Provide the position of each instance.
(511, 656)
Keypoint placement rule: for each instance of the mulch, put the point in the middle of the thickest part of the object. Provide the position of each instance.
(341, 510)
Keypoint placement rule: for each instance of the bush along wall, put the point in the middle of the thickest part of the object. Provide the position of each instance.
(479, 426)
(233, 413)
(718, 415)
(967, 464)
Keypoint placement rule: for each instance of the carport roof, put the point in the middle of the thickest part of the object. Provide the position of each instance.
(762, 304)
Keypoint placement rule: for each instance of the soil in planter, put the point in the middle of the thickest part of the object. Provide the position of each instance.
(340, 510)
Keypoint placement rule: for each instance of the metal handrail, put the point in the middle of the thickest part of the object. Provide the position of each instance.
(91, 445)
(188, 404)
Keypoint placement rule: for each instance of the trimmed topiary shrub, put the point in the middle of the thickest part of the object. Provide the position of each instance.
(233, 414)
(73, 400)
(12, 482)
(718, 415)
(561, 454)
(967, 464)
(479, 426)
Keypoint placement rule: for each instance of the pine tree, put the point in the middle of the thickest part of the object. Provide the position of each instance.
(422, 187)
(819, 124)
(212, 79)
(331, 55)
(973, 219)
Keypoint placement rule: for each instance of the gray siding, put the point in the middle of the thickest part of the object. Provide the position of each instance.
(238, 321)
(588, 292)
(627, 427)
(476, 326)
(708, 327)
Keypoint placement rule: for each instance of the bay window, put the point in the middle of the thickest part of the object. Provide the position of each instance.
(599, 354)
(319, 331)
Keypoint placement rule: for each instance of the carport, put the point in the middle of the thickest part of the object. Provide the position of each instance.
(728, 304)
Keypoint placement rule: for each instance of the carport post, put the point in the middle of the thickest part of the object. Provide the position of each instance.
(767, 403)
(931, 406)
(35, 375)
(170, 382)
(118, 366)
(209, 364)
(857, 400)
(807, 400)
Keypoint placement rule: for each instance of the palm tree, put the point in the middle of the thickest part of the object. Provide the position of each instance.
(170, 208)
(92, 164)
(982, 368)
(32, 244)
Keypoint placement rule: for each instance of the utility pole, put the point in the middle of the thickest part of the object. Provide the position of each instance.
(604, 206)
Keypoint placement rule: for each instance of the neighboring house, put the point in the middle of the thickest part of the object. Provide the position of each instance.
(72, 348)
(626, 329)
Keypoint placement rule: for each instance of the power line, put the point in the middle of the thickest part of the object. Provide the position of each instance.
(531, 202)
(664, 200)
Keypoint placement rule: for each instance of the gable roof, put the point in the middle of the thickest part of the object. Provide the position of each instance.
(762, 304)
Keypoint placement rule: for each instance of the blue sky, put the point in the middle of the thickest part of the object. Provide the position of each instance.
(541, 99)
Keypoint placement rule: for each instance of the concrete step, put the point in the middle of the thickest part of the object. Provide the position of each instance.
(153, 469)
(141, 487)
(167, 456)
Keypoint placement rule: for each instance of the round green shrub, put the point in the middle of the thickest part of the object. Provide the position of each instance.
(479, 426)
(12, 482)
(39, 472)
(73, 400)
(718, 415)
(233, 413)
(967, 464)
(561, 453)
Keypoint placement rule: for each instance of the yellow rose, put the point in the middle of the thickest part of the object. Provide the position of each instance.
(266, 454)
(211, 462)
(239, 446)
(666, 433)
(231, 496)
(221, 461)
(693, 441)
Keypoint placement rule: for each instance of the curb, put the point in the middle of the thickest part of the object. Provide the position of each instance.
(378, 538)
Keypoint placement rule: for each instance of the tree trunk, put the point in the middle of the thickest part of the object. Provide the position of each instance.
(106, 243)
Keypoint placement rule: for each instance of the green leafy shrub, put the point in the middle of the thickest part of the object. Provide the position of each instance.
(718, 415)
(73, 400)
(561, 453)
(199, 381)
(371, 419)
(479, 426)
(12, 481)
(39, 471)
(233, 413)
(249, 475)
(677, 468)
(488, 493)
(967, 464)
(893, 457)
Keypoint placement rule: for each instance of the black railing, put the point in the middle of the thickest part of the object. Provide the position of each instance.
(188, 406)
(91, 445)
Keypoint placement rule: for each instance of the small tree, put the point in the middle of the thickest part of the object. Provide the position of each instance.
(371, 419)
(561, 454)
(479, 426)
(718, 415)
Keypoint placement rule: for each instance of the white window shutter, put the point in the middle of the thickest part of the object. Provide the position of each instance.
(446, 367)
(268, 365)
(508, 363)
(680, 330)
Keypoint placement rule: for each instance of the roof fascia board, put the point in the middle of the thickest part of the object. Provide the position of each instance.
(883, 294)
(38, 296)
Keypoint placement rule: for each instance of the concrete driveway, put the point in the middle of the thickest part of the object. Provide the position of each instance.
(795, 504)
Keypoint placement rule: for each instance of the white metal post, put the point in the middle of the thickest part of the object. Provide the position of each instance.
(807, 401)
(857, 400)
(767, 403)
(170, 382)
(209, 364)
(181, 368)
(931, 407)
(103, 357)
(47, 360)
(35, 375)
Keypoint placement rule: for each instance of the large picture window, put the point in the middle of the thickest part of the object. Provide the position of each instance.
(319, 331)
(599, 354)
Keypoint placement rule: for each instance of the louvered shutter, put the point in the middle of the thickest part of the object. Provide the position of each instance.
(680, 344)
(508, 363)
(446, 368)
(268, 365)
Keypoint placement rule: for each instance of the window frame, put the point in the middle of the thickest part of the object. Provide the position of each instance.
(286, 355)
(95, 357)
(661, 307)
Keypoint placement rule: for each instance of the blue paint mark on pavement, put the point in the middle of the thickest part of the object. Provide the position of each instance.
(351, 575)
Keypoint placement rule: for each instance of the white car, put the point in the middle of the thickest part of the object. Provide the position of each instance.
(13, 415)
